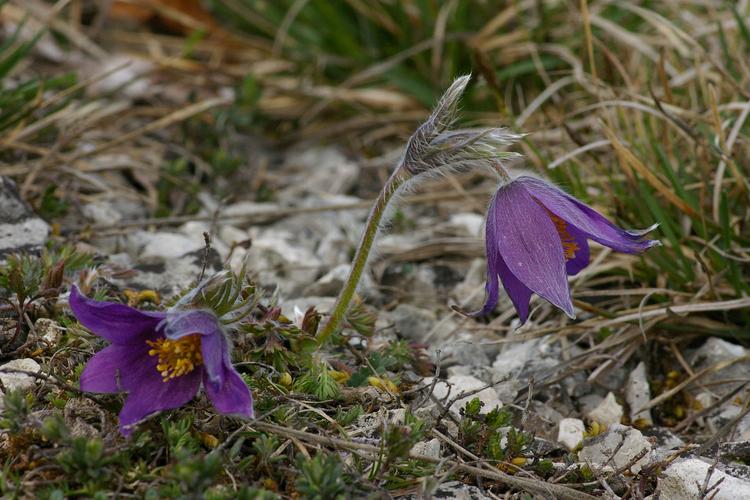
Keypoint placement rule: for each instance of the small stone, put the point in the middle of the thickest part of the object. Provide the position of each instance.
(714, 351)
(463, 348)
(324, 170)
(455, 490)
(101, 212)
(608, 412)
(638, 394)
(587, 403)
(20, 229)
(429, 448)
(170, 276)
(278, 257)
(17, 381)
(571, 432)
(231, 235)
(14, 381)
(684, 479)
(79, 414)
(469, 222)
(397, 416)
(163, 245)
(730, 412)
(665, 441)
(48, 330)
(600, 449)
(412, 322)
(525, 360)
(457, 384)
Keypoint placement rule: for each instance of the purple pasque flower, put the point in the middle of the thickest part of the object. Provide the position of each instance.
(160, 359)
(536, 235)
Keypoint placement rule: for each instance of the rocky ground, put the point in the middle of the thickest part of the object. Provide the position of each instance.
(620, 424)
(144, 147)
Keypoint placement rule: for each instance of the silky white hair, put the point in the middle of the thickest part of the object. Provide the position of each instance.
(435, 148)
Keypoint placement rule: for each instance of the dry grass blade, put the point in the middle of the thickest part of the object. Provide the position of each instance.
(165, 121)
(628, 158)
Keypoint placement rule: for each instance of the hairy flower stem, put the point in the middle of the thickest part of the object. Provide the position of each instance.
(374, 219)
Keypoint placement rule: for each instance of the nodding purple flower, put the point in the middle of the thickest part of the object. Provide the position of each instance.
(160, 359)
(537, 235)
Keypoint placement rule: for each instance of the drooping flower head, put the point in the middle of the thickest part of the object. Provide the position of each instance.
(160, 359)
(536, 235)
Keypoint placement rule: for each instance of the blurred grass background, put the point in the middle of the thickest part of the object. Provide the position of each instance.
(639, 108)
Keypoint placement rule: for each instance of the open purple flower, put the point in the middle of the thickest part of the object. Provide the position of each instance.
(160, 359)
(537, 235)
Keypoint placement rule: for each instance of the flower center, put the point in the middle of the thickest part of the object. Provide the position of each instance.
(570, 247)
(176, 357)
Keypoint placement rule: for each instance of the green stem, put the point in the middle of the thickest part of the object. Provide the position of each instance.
(359, 263)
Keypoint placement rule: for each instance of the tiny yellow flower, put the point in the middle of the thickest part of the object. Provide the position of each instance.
(136, 297)
(339, 376)
(383, 384)
(286, 379)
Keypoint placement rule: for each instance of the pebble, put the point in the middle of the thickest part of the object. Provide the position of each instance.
(451, 489)
(20, 229)
(413, 323)
(323, 170)
(163, 245)
(638, 394)
(18, 381)
(457, 384)
(608, 412)
(599, 450)
(279, 259)
(429, 448)
(684, 478)
(48, 330)
(571, 432)
(716, 350)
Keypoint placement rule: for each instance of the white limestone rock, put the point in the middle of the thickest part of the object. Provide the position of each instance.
(20, 229)
(17, 381)
(606, 449)
(608, 412)
(570, 432)
(458, 384)
(429, 448)
(684, 479)
(638, 394)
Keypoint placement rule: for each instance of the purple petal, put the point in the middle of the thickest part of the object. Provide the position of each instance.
(116, 368)
(492, 287)
(154, 395)
(519, 293)
(587, 220)
(214, 345)
(530, 246)
(118, 323)
(232, 397)
(580, 257)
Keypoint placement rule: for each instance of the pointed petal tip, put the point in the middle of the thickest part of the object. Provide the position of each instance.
(637, 233)
(488, 307)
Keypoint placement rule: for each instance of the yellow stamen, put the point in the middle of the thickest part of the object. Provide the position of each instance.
(176, 357)
(570, 247)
